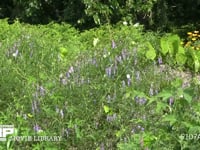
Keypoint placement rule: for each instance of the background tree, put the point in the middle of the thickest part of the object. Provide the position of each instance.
(154, 14)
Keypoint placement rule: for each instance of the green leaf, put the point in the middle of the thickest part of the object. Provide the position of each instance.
(181, 58)
(194, 129)
(196, 65)
(127, 95)
(106, 109)
(175, 43)
(95, 41)
(160, 107)
(63, 51)
(181, 50)
(150, 54)
(165, 94)
(170, 118)
(177, 83)
(164, 45)
(187, 97)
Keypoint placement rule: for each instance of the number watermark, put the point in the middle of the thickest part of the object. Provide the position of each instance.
(187, 136)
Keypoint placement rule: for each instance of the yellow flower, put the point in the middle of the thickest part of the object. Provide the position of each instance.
(182, 43)
(194, 39)
(196, 32)
(189, 33)
(30, 115)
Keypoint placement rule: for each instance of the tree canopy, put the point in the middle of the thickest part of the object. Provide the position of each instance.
(87, 13)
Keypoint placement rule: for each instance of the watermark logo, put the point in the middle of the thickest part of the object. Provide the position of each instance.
(6, 130)
(187, 136)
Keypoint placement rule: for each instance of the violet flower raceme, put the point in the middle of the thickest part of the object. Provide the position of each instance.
(35, 106)
(66, 131)
(42, 91)
(113, 44)
(140, 101)
(115, 70)
(71, 69)
(111, 118)
(68, 75)
(137, 75)
(160, 60)
(102, 147)
(171, 101)
(37, 128)
(119, 59)
(151, 91)
(64, 81)
(109, 71)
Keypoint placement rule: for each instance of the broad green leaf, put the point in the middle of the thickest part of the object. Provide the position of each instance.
(170, 118)
(127, 95)
(63, 51)
(150, 54)
(196, 65)
(181, 58)
(181, 50)
(177, 83)
(175, 40)
(95, 41)
(194, 130)
(160, 107)
(165, 94)
(106, 109)
(164, 45)
(187, 97)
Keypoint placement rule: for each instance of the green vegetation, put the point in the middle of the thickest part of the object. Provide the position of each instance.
(154, 14)
(112, 87)
(100, 75)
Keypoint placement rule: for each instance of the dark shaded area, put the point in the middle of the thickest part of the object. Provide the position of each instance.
(164, 14)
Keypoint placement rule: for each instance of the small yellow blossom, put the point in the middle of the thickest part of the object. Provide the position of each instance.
(194, 39)
(189, 33)
(196, 32)
(30, 115)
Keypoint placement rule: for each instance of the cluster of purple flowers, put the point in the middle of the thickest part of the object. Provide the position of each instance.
(112, 117)
(40, 92)
(14, 51)
(140, 100)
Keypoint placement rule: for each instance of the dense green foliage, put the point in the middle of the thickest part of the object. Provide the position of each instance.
(112, 87)
(154, 14)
